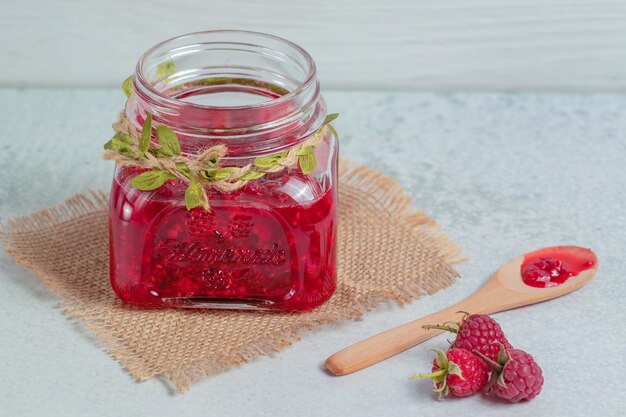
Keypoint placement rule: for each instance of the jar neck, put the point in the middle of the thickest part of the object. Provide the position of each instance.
(253, 92)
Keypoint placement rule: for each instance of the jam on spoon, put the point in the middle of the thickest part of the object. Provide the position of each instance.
(550, 267)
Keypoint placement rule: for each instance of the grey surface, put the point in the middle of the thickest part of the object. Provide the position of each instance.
(503, 174)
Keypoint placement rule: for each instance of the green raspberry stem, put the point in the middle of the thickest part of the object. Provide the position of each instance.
(439, 372)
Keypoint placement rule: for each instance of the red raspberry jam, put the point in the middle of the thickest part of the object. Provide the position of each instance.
(553, 266)
(260, 246)
(270, 244)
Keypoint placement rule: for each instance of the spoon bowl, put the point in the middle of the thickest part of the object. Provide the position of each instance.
(505, 290)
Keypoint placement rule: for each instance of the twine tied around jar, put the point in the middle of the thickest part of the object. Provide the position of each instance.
(164, 161)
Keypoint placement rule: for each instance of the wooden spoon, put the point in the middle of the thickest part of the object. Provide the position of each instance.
(505, 290)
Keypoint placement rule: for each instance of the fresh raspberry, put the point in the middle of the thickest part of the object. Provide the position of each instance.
(477, 331)
(458, 372)
(516, 375)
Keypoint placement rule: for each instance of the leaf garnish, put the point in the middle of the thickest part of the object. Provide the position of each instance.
(151, 180)
(168, 140)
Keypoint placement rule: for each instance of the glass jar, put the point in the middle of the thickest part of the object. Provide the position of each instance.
(270, 244)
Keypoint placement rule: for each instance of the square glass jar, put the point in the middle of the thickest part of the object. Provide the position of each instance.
(264, 243)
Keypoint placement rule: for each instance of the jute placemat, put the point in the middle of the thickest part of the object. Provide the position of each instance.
(387, 251)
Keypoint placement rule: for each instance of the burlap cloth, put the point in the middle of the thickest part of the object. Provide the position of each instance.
(387, 251)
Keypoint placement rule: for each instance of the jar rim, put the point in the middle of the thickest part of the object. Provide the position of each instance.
(309, 78)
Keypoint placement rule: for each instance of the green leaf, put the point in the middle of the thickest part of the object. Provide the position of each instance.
(308, 163)
(218, 174)
(270, 161)
(195, 196)
(146, 132)
(121, 143)
(151, 180)
(333, 131)
(184, 169)
(330, 127)
(213, 162)
(127, 86)
(165, 69)
(123, 137)
(252, 175)
(168, 141)
(330, 118)
(305, 150)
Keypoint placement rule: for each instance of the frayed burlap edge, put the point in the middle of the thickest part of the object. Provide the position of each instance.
(380, 189)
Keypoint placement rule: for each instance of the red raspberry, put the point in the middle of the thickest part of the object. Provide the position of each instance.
(516, 375)
(477, 331)
(458, 372)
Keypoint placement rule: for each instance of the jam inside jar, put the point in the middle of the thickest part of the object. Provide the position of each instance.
(270, 244)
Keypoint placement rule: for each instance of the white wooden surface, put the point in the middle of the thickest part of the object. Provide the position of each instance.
(562, 45)
(542, 170)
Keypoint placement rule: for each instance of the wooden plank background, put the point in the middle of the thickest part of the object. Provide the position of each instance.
(540, 45)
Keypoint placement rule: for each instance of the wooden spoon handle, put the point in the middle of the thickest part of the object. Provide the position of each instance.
(391, 342)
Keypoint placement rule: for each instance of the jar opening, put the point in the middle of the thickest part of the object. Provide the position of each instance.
(228, 83)
(224, 53)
